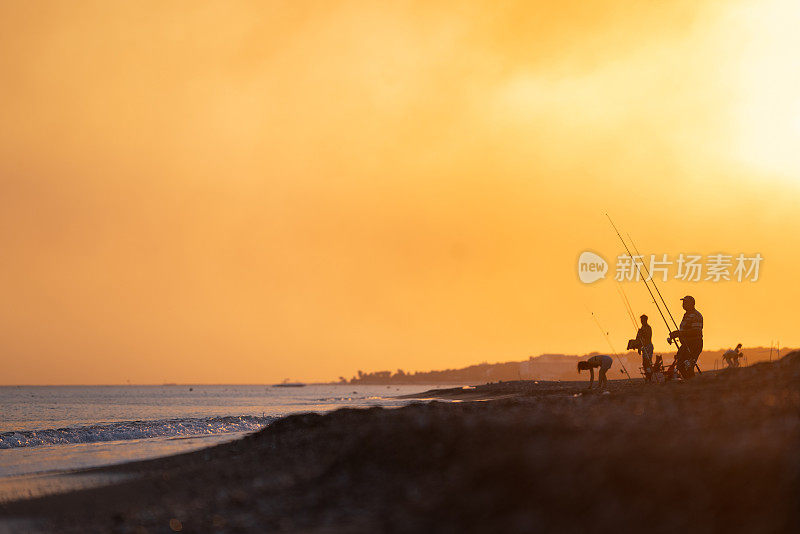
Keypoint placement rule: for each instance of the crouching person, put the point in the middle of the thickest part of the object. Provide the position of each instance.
(603, 362)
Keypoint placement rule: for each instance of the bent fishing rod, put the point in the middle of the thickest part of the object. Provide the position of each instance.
(639, 271)
(627, 305)
(652, 281)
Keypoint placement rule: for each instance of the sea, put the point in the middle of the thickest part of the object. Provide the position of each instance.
(51, 430)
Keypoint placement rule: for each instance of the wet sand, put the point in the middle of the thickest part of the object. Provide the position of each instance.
(719, 453)
(41, 484)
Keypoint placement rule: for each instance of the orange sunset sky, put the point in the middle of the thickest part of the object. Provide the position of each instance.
(239, 192)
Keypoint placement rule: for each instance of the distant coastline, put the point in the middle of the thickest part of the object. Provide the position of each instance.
(542, 367)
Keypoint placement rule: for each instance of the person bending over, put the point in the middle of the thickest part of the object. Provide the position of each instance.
(732, 356)
(603, 362)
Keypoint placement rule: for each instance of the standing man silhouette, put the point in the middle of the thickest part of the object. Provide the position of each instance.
(644, 340)
(690, 333)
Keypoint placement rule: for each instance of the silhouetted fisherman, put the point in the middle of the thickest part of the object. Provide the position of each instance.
(603, 362)
(732, 356)
(690, 333)
(644, 340)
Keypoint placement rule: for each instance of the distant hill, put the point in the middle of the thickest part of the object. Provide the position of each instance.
(544, 367)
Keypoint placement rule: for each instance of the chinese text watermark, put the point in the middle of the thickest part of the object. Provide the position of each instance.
(684, 267)
(689, 267)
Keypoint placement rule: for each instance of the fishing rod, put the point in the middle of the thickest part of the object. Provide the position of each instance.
(664, 302)
(627, 304)
(652, 281)
(610, 345)
(639, 271)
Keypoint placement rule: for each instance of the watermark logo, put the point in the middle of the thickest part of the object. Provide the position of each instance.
(591, 267)
(690, 267)
(685, 267)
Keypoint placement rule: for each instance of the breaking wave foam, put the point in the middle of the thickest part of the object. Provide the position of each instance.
(129, 430)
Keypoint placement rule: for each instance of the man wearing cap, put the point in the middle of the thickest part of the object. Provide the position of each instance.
(644, 340)
(690, 333)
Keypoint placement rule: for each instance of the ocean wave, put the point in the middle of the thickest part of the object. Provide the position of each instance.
(128, 430)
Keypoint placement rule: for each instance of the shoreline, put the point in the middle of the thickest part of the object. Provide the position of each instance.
(519, 388)
(527, 455)
(44, 433)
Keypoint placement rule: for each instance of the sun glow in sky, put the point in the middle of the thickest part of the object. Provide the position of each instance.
(244, 192)
(768, 99)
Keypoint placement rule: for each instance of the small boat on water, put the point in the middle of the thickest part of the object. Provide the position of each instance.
(287, 384)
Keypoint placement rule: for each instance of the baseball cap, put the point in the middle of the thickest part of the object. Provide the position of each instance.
(689, 298)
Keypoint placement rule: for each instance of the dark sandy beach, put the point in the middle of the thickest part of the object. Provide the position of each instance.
(717, 454)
